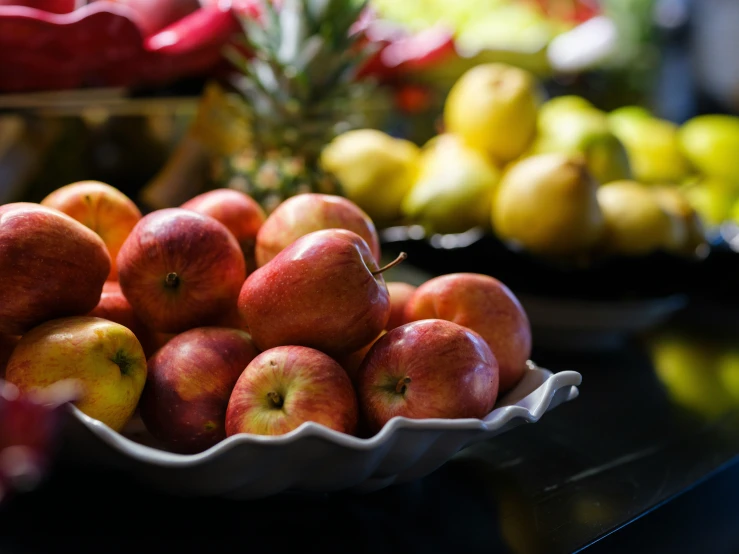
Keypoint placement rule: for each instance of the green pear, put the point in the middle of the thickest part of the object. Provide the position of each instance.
(454, 187)
(635, 222)
(713, 199)
(652, 145)
(711, 143)
(626, 114)
(547, 204)
(570, 125)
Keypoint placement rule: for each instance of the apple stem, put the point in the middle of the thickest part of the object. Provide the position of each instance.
(172, 280)
(402, 385)
(402, 256)
(275, 399)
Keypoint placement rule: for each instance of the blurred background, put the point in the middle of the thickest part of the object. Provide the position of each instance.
(120, 122)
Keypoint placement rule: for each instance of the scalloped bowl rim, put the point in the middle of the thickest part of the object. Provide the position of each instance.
(493, 421)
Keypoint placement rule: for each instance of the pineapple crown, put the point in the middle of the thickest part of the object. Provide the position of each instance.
(299, 79)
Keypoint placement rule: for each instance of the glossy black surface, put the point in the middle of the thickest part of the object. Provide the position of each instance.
(653, 420)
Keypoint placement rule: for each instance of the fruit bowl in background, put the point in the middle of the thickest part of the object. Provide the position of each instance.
(312, 458)
(583, 307)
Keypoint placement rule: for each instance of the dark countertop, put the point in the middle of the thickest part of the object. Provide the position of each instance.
(635, 438)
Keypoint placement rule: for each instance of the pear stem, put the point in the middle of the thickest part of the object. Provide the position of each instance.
(402, 256)
(402, 385)
(172, 280)
(275, 399)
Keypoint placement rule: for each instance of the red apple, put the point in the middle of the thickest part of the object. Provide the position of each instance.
(7, 345)
(352, 362)
(400, 293)
(180, 270)
(323, 291)
(100, 207)
(239, 212)
(427, 369)
(113, 306)
(50, 266)
(103, 357)
(190, 381)
(484, 305)
(287, 386)
(305, 213)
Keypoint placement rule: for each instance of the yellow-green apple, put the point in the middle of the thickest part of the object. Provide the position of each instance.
(100, 207)
(239, 212)
(50, 266)
(323, 291)
(427, 369)
(286, 386)
(400, 294)
(180, 269)
(103, 357)
(305, 213)
(7, 345)
(189, 383)
(486, 306)
(113, 306)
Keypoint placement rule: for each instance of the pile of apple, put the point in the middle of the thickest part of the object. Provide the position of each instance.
(156, 314)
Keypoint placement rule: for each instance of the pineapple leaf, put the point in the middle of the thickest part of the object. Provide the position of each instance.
(293, 30)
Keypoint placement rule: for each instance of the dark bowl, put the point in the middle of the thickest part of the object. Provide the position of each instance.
(612, 278)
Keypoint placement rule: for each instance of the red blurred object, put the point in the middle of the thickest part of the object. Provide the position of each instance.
(69, 44)
(413, 98)
(112, 43)
(576, 11)
(29, 427)
(399, 52)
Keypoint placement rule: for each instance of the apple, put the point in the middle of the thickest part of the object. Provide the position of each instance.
(400, 294)
(104, 357)
(486, 306)
(286, 386)
(189, 383)
(180, 270)
(100, 207)
(50, 266)
(352, 362)
(427, 369)
(239, 212)
(7, 345)
(305, 213)
(113, 306)
(324, 291)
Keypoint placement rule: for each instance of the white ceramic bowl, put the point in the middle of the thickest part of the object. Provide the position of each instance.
(312, 457)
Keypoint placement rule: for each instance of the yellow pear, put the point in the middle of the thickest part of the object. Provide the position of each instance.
(552, 111)
(375, 170)
(711, 142)
(675, 202)
(454, 187)
(652, 145)
(493, 107)
(547, 204)
(636, 223)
